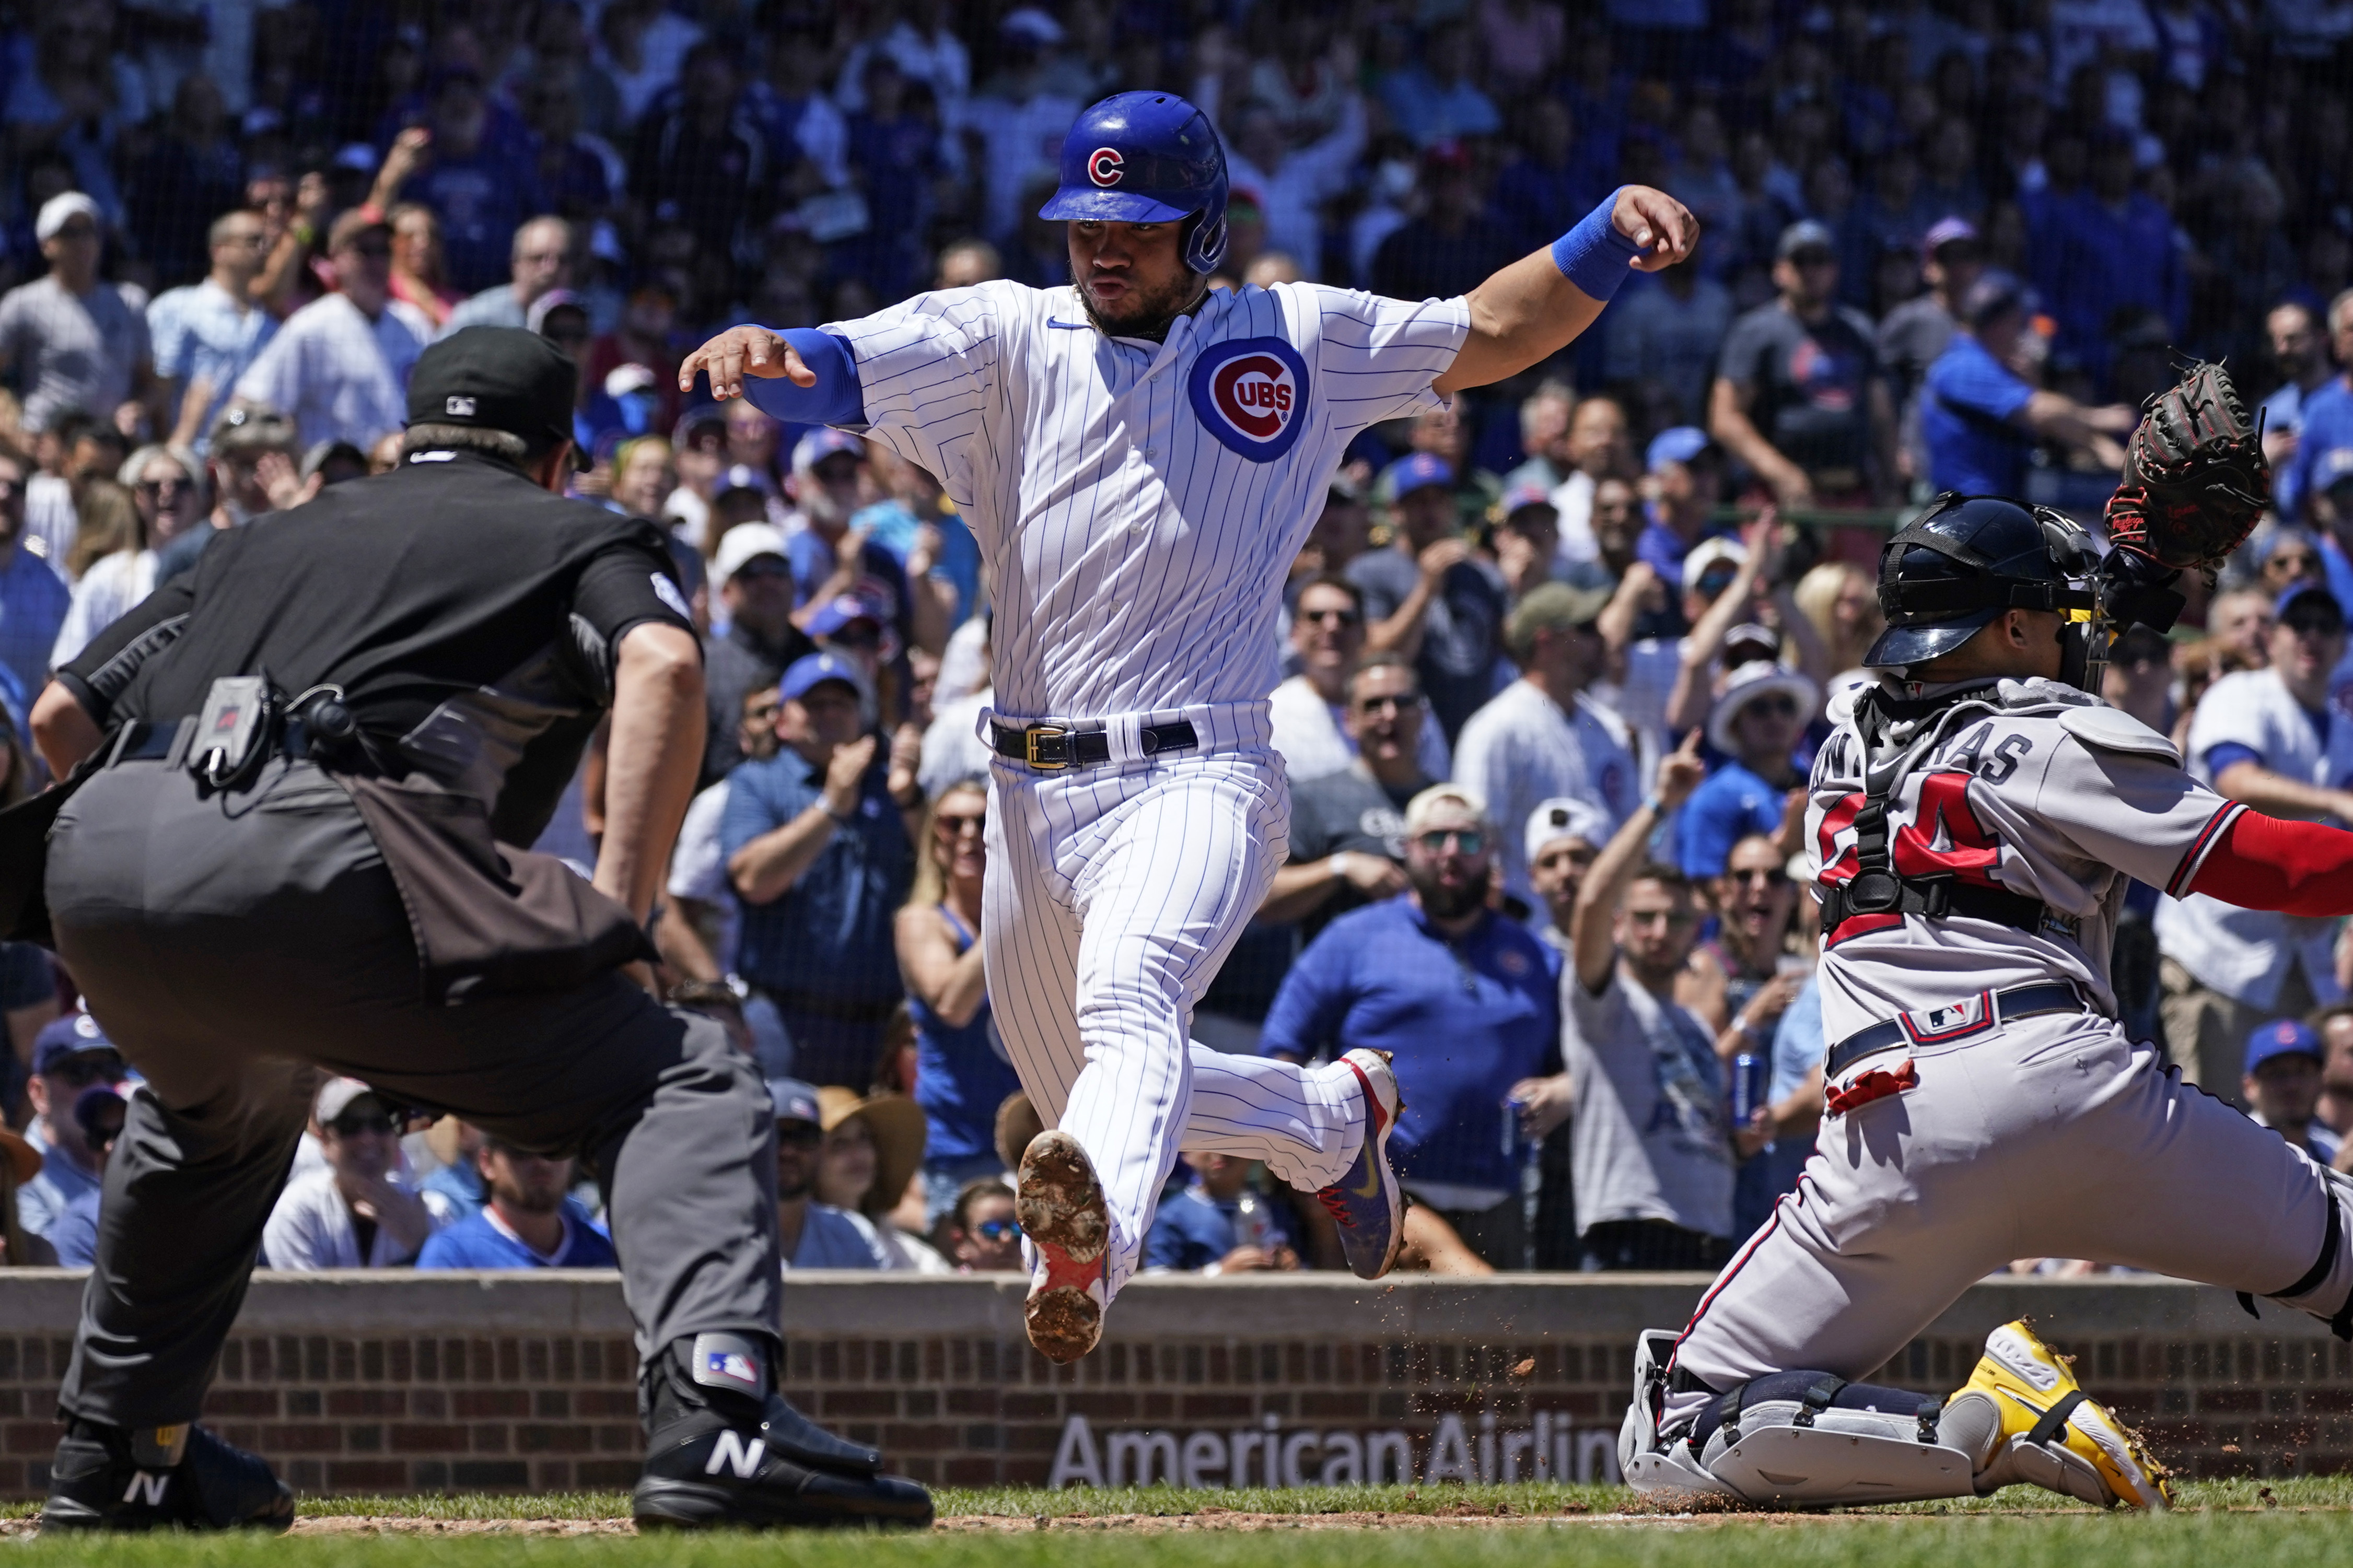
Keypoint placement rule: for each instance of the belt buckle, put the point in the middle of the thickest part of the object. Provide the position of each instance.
(1029, 739)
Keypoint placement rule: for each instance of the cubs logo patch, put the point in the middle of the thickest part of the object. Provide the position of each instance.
(1105, 167)
(1251, 394)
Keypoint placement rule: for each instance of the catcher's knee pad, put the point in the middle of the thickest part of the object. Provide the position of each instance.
(2326, 1289)
(1811, 1439)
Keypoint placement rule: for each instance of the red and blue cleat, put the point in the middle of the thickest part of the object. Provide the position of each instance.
(1365, 1202)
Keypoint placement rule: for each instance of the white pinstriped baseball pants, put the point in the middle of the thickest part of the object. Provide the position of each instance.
(1114, 894)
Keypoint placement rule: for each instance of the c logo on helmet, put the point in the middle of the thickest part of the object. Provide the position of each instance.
(1251, 394)
(1103, 165)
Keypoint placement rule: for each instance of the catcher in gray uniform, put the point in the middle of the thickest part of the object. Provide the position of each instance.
(1975, 819)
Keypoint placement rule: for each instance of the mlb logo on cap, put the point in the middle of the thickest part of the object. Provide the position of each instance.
(459, 408)
(1250, 394)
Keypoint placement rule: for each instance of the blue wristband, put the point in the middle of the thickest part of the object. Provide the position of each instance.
(1594, 255)
(836, 399)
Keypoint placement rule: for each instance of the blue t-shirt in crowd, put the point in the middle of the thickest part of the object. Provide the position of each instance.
(2327, 424)
(458, 1185)
(75, 1233)
(1193, 1229)
(1965, 422)
(823, 949)
(1730, 805)
(478, 1243)
(1466, 1019)
(1798, 1050)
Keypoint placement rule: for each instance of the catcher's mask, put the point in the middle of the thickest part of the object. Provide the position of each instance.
(1967, 559)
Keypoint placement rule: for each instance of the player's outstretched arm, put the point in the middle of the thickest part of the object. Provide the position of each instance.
(2269, 863)
(1537, 306)
(801, 376)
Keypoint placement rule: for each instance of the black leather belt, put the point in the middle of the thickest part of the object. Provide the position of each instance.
(2018, 1002)
(1050, 748)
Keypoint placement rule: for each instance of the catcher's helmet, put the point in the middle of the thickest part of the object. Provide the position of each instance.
(1966, 560)
(1147, 157)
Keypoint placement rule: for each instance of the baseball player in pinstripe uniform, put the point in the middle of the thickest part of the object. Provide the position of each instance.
(1140, 459)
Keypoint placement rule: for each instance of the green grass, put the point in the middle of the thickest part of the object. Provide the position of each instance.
(2222, 1524)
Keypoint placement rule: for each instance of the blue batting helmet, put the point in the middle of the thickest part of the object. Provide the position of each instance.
(1147, 157)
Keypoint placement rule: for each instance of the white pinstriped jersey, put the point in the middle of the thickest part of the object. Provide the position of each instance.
(1140, 503)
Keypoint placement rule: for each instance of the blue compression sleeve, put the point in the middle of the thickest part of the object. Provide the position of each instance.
(1594, 255)
(836, 399)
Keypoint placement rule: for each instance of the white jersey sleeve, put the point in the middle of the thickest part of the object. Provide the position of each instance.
(1376, 357)
(929, 369)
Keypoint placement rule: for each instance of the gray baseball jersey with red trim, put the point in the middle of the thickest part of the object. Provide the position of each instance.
(2035, 788)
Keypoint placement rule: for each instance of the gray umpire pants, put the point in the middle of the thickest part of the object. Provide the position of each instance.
(234, 946)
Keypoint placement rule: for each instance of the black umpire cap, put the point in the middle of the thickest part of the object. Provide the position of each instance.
(496, 378)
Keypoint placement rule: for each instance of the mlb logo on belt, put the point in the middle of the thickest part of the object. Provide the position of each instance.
(734, 1367)
(1251, 394)
(1954, 1021)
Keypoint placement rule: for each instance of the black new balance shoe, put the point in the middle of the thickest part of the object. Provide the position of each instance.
(107, 1477)
(727, 1450)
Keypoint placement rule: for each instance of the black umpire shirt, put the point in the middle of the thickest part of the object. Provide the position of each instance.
(473, 620)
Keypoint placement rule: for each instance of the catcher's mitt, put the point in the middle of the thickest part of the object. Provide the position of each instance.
(2195, 480)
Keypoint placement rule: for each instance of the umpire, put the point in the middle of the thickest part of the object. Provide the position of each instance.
(283, 848)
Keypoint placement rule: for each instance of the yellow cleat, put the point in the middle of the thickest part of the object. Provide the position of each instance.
(2033, 1422)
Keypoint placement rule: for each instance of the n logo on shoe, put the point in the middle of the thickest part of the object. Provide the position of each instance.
(148, 1485)
(733, 1452)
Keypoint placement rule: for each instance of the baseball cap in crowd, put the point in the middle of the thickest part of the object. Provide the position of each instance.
(1803, 236)
(1526, 494)
(496, 378)
(1031, 25)
(2312, 597)
(253, 428)
(1745, 685)
(1748, 642)
(699, 422)
(794, 1100)
(743, 544)
(1442, 803)
(1552, 606)
(812, 671)
(1717, 551)
(58, 209)
(1419, 471)
(338, 1095)
(2281, 1038)
(1679, 445)
(743, 477)
(359, 157)
(69, 1036)
(1566, 816)
(2334, 468)
(1947, 231)
(841, 612)
(1992, 297)
(822, 443)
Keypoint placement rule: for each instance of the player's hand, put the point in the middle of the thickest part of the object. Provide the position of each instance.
(846, 772)
(1440, 557)
(1681, 772)
(739, 352)
(1375, 876)
(1663, 229)
(1545, 1103)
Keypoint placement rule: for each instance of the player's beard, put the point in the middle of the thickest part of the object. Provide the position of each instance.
(1145, 314)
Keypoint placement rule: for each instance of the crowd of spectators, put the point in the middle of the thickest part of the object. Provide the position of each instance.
(1555, 657)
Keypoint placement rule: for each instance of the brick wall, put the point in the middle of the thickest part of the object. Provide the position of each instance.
(394, 1382)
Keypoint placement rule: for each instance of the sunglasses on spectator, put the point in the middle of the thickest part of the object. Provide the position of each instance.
(160, 488)
(800, 1134)
(81, 1071)
(1759, 877)
(1781, 705)
(1336, 617)
(1462, 840)
(955, 824)
(380, 1125)
(1394, 704)
(2308, 624)
(997, 1230)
